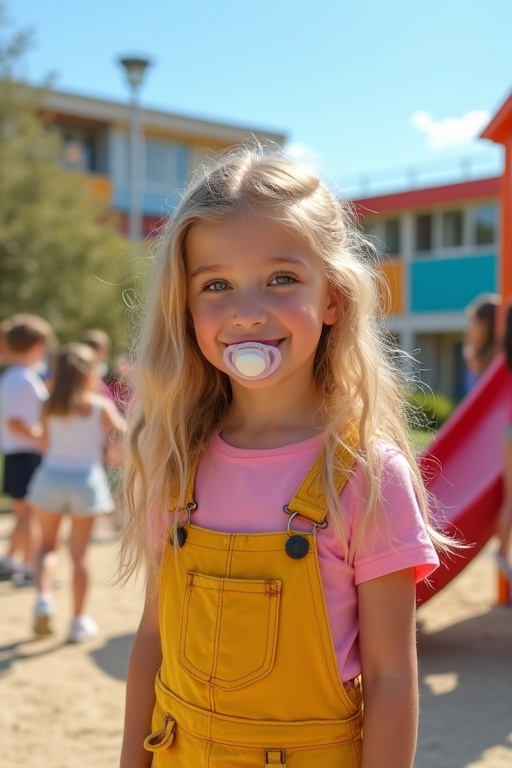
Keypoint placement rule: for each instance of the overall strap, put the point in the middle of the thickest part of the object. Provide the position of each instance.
(309, 499)
(189, 493)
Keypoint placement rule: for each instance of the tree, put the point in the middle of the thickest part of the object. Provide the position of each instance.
(61, 255)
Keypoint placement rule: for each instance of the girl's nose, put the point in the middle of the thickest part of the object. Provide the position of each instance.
(248, 311)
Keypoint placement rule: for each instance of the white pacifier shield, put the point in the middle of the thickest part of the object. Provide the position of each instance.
(252, 360)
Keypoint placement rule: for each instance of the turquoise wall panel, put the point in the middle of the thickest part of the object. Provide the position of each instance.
(152, 203)
(448, 285)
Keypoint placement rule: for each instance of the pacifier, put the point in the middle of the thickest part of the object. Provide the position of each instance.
(252, 360)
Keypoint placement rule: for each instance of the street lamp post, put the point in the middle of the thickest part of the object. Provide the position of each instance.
(135, 69)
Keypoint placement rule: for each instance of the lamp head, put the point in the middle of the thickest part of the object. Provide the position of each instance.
(135, 68)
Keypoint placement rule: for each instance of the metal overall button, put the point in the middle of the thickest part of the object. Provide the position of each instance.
(179, 535)
(297, 546)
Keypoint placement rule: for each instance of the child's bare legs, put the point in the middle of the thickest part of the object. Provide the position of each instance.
(46, 560)
(25, 538)
(81, 528)
(82, 627)
(49, 523)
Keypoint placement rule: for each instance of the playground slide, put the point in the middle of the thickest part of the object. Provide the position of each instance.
(463, 468)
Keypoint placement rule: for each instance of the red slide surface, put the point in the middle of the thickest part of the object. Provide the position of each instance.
(463, 470)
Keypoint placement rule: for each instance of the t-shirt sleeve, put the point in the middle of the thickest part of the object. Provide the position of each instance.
(400, 538)
(19, 398)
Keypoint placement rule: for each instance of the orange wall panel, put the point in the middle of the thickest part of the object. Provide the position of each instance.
(393, 274)
(100, 186)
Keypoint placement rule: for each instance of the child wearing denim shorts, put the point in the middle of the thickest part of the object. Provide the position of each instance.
(71, 479)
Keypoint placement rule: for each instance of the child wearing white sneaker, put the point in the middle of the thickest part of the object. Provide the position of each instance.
(25, 339)
(71, 479)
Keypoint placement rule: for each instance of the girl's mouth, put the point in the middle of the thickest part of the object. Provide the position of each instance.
(268, 342)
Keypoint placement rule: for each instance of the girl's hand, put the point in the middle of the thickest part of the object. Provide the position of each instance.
(145, 659)
(35, 433)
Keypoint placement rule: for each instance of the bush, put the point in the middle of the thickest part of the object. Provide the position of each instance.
(428, 409)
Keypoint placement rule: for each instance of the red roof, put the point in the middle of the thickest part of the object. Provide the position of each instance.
(500, 127)
(423, 198)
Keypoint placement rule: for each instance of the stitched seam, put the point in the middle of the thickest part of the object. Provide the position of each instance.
(262, 591)
(336, 683)
(218, 621)
(223, 549)
(308, 745)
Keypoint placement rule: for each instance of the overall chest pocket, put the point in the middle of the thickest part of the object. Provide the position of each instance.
(229, 629)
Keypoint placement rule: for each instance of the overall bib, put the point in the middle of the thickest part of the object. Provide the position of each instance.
(249, 676)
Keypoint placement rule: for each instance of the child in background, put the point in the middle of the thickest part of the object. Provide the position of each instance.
(71, 479)
(271, 489)
(24, 341)
(481, 339)
(100, 342)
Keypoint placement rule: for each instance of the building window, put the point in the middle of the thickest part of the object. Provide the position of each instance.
(453, 229)
(369, 228)
(166, 165)
(156, 161)
(424, 232)
(485, 224)
(392, 236)
(79, 150)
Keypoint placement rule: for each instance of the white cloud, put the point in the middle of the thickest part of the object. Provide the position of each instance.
(450, 131)
(303, 153)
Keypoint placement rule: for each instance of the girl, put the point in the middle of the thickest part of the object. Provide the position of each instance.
(71, 479)
(481, 342)
(271, 489)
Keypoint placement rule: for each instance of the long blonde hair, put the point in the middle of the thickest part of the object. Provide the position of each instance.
(181, 398)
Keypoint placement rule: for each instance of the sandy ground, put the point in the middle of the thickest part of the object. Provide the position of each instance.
(62, 705)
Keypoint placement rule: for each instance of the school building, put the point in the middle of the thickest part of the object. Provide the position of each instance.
(445, 245)
(441, 250)
(96, 142)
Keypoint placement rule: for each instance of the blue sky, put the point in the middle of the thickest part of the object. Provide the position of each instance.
(358, 86)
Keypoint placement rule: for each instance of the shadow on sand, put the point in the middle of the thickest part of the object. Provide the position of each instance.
(465, 668)
(112, 658)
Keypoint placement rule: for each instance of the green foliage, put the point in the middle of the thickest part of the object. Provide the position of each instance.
(419, 438)
(429, 410)
(61, 255)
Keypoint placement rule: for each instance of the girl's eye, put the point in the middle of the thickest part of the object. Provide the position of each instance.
(282, 278)
(217, 285)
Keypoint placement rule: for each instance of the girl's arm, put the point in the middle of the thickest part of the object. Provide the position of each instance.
(111, 418)
(145, 660)
(21, 429)
(387, 639)
(113, 426)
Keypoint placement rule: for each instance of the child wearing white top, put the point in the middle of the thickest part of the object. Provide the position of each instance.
(22, 392)
(71, 479)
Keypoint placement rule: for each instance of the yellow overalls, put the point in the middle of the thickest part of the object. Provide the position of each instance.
(249, 676)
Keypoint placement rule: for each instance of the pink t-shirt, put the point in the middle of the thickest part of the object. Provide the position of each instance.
(240, 490)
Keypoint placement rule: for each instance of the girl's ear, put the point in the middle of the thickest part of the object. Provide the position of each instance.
(333, 306)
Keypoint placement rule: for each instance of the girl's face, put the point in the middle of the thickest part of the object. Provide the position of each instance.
(477, 333)
(251, 279)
